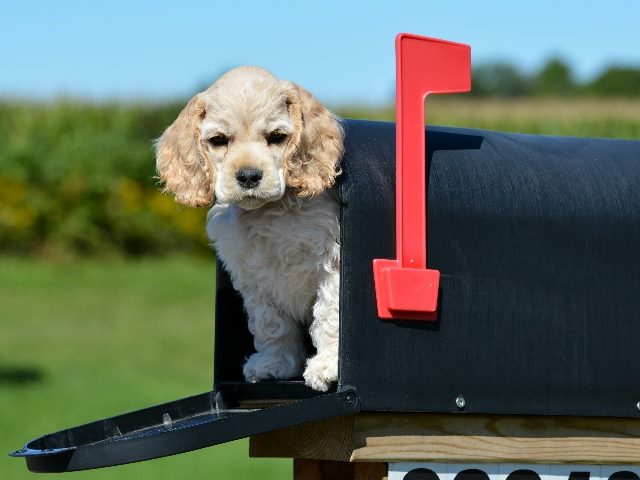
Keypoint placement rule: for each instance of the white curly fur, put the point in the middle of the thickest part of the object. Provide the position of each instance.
(279, 240)
(284, 260)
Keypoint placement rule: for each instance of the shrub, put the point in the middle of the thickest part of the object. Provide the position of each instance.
(79, 179)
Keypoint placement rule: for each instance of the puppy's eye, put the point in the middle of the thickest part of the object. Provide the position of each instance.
(276, 137)
(219, 141)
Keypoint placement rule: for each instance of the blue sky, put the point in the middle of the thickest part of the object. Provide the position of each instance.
(342, 51)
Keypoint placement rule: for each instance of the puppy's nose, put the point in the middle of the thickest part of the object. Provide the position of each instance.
(249, 177)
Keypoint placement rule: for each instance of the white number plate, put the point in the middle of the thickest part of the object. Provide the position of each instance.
(510, 471)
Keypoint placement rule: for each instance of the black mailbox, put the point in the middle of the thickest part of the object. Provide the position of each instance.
(538, 243)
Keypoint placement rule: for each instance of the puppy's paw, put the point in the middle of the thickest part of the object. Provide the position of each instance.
(321, 372)
(263, 366)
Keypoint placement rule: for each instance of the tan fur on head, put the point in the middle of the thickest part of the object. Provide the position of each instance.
(180, 161)
(315, 147)
(249, 120)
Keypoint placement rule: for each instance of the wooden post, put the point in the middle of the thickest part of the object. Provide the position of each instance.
(304, 469)
(398, 437)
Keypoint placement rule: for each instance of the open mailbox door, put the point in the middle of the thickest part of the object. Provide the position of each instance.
(232, 410)
(176, 427)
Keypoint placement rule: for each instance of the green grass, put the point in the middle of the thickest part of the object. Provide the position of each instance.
(88, 340)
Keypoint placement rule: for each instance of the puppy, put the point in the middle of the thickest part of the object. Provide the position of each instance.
(267, 153)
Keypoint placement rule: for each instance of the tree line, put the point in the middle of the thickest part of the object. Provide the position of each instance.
(554, 78)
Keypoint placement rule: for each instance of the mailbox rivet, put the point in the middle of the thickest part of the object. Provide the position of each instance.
(350, 398)
(460, 402)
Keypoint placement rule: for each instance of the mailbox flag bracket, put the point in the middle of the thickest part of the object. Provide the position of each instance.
(405, 287)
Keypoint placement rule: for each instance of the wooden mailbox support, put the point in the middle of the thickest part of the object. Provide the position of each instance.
(360, 446)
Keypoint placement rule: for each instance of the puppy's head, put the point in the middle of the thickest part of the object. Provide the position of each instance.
(245, 139)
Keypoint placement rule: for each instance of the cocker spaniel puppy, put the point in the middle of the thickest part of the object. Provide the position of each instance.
(266, 153)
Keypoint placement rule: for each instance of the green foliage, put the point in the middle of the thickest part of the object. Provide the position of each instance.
(617, 81)
(499, 79)
(79, 179)
(554, 79)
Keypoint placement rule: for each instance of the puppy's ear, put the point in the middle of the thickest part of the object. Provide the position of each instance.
(180, 160)
(315, 147)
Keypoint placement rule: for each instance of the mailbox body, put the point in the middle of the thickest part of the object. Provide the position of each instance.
(538, 243)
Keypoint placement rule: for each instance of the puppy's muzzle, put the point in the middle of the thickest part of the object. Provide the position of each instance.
(249, 177)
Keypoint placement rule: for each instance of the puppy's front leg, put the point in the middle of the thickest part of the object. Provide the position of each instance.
(278, 343)
(322, 369)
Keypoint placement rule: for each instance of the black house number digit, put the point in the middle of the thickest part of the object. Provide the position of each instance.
(624, 475)
(523, 475)
(579, 476)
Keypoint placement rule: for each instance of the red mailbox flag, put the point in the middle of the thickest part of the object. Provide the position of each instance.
(405, 288)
